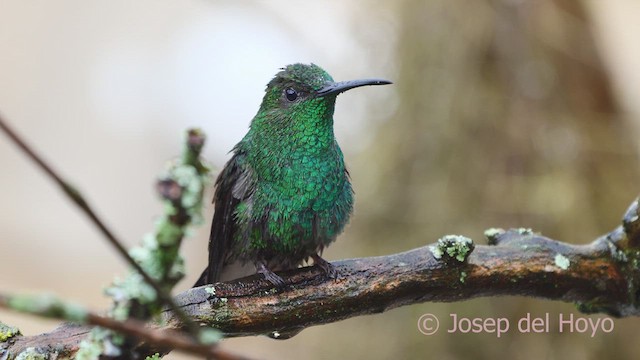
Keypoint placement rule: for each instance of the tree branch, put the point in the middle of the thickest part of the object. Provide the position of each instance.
(603, 276)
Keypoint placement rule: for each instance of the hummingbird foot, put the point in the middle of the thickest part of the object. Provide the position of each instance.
(276, 280)
(326, 266)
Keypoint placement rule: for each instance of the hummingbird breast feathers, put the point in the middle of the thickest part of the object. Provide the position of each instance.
(282, 213)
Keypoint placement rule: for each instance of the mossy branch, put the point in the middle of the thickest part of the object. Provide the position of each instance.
(602, 276)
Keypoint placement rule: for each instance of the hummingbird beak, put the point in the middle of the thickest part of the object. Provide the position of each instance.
(342, 86)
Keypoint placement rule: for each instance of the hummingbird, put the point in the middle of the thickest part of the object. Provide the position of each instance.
(285, 194)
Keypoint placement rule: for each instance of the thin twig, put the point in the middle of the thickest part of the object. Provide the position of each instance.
(167, 339)
(79, 200)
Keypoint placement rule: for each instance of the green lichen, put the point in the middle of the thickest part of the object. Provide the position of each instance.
(525, 231)
(48, 306)
(210, 336)
(454, 246)
(155, 356)
(562, 261)
(493, 234)
(436, 251)
(132, 287)
(31, 353)
(210, 290)
(99, 342)
(89, 350)
(7, 332)
(463, 276)
(91, 347)
(168, 233)
(191, 182)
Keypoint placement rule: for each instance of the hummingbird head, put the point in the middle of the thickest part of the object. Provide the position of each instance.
(297, 110)
(303, 90)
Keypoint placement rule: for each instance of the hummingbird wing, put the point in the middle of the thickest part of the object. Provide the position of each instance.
(233, 186)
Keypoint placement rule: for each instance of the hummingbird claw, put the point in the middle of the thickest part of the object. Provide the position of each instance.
(326, 266)
(270, 276)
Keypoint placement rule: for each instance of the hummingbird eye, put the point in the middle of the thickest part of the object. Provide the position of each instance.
(291, 94)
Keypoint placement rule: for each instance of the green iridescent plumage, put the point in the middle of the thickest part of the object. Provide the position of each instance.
(285, 194)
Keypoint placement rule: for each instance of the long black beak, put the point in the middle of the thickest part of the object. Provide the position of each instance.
(342, 86)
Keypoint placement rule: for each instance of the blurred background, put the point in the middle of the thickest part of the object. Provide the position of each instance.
(503, 114)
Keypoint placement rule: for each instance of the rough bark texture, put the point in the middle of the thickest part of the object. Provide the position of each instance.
(603, 276)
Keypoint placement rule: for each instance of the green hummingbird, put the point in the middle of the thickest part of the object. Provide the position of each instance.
(285, 193)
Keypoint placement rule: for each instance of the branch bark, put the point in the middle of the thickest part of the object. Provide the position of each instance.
(603, 276)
